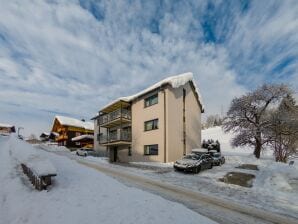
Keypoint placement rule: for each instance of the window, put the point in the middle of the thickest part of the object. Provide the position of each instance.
(151, 100)
(151, 150)
(151, 125)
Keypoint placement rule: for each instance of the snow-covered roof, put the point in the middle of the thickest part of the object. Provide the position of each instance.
(175, 81)
(5, 125)
(82, 137)
(68, 121)
(45, 133)
(54, 133)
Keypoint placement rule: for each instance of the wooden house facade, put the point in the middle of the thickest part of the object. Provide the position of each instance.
(69, 128)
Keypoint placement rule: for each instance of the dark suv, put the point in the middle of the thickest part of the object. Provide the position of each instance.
(217, 157)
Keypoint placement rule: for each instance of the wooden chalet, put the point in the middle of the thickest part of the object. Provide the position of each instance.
(6, 128)
(85, 141)
(69, 128)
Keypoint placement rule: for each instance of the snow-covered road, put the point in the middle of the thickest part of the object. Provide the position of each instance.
(222, 211)
(167, 186)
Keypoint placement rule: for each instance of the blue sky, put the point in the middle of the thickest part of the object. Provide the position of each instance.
(72, 57)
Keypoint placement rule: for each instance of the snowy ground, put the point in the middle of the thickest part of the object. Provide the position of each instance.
(78, 195)
(275, 187)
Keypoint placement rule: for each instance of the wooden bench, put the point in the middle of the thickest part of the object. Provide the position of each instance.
(39, 181)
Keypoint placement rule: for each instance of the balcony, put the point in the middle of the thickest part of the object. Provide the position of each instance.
(115, 118)
(119, 137)
(62, 137)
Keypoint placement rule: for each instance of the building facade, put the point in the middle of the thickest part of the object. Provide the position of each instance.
(6, 128)
(69, 128)
(161, 123)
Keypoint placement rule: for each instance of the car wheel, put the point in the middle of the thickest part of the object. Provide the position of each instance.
(197, 169)
(210, 167)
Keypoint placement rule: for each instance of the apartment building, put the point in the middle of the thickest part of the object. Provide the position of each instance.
(161, 123)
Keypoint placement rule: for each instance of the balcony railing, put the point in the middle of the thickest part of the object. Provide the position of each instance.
(61, 137)
(124, 113)
(115, 137)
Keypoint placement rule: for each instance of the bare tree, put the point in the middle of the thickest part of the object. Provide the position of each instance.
(248, 116)
(283, 130)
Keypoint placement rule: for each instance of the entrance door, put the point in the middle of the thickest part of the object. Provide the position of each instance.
(115, 154)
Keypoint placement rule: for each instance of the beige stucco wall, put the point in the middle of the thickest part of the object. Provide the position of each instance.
(140, 114)
(193, 121)
(175, 122)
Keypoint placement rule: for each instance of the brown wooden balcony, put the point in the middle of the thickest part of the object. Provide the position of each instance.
(115, 118)
(62, 137)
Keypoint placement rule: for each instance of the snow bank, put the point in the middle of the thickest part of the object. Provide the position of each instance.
(40, 166)
(23, 153)
(68, 121)
(153, 164)
(80, 195)
(216, 133)
(174, 81)
(52, 147)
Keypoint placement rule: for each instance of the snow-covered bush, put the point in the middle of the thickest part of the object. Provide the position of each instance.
(210, 144)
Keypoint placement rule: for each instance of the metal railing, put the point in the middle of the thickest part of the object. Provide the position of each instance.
(124, 113)
(120, 135)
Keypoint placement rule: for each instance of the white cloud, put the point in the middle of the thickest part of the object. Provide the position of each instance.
(58, 57)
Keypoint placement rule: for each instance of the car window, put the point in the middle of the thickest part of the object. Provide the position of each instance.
(194, 157)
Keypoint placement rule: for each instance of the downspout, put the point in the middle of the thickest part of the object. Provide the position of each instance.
(165, 123)
(184, 123)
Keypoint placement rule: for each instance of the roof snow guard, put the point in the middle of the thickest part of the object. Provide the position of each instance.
(68, 121)
(175, 81)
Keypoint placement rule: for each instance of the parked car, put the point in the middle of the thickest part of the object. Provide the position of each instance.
(217, 157)
(84, 151)
(194, 163)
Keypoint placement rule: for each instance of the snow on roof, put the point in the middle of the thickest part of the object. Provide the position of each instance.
(6, 125)
(82, 137)
(68, 121)
(45, 133)
(175, 81)
(54, 133)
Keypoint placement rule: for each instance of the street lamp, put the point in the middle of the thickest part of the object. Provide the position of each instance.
(20, 136)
